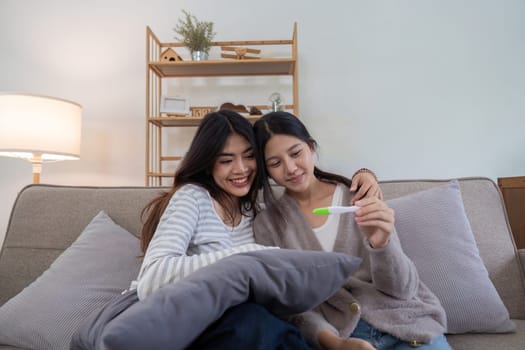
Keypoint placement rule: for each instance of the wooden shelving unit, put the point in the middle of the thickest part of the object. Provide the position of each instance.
(157, 71)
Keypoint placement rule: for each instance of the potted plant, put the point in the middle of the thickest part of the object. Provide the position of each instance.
(196, 35)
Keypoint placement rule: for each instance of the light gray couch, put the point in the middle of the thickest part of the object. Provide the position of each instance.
(46, 219)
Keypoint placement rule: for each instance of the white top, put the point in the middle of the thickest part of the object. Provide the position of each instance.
(189, 236)
(327, 232)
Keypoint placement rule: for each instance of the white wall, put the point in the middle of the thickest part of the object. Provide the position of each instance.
(411, 89)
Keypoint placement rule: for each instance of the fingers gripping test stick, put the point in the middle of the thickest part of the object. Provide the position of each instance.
(335, 210)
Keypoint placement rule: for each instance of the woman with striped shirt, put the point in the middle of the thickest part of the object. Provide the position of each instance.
(207, 215)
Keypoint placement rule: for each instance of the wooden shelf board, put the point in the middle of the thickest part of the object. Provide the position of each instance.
(212, 68)
(187, 121)
(170, 158)
(160, 174)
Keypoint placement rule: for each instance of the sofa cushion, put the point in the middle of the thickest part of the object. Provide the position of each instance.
(94, 269)
(436, 234)
(284, 281)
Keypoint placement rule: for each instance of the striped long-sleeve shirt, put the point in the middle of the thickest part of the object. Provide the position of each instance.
(189, 236)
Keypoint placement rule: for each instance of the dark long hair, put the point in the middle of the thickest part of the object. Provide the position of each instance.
(284, 123)
(197, 166)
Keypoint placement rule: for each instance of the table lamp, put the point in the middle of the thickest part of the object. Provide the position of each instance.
(39, 128)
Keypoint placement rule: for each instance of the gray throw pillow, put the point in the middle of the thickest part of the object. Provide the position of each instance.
(435, 233)
(93, 270)
(284, 281)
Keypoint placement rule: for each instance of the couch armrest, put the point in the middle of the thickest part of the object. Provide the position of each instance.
(521, 253)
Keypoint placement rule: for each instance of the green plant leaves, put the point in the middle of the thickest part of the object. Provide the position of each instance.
(196, 35)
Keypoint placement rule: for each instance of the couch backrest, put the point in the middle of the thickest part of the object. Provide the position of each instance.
(46, 219)
(486, 212)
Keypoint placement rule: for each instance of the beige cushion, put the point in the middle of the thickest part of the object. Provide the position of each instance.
(486, 214)
(435, 233)
(97, 267)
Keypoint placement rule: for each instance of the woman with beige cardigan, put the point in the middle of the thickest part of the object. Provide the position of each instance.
(384, 302)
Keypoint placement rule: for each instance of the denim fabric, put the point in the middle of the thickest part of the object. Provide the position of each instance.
(385, 341)
(250, 326)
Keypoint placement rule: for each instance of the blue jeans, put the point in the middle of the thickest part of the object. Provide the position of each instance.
(385, 341)
(250, 326)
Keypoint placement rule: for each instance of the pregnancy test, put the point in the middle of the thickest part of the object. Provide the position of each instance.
(335, 210)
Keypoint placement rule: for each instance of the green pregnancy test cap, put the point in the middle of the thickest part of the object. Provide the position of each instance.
(321, 211)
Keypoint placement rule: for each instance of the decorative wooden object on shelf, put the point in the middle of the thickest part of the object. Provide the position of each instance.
(163, 63)
(241, 53)
(513, 190)
(200, 112)
(255, 111)
(232, 107)
(169, 55)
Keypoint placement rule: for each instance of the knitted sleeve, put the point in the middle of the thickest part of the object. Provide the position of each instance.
(392, 271)
(166, 258)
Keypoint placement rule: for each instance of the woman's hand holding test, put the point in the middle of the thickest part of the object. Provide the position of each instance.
(376, 220)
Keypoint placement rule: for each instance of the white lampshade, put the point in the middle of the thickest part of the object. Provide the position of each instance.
(39, 128)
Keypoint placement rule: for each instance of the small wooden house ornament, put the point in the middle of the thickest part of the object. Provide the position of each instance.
(170, 55)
